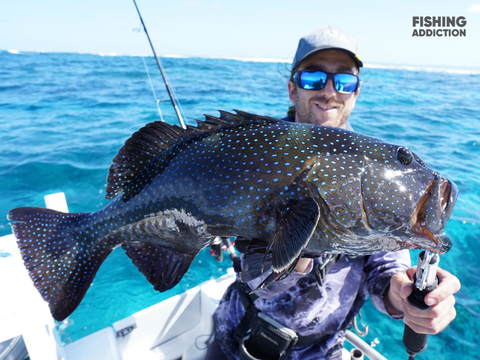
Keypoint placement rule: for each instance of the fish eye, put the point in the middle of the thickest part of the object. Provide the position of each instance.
(404, 155)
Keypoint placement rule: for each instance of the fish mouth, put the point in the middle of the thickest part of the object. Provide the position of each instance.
(432, 213)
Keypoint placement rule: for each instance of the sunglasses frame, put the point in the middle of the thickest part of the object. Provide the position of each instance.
(297, 80)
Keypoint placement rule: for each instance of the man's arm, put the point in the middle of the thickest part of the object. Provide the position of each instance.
(379, 270)
(441, 300)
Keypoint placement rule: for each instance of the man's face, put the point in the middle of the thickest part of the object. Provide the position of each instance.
(324, 107)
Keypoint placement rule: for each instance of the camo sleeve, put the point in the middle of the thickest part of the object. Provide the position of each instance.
(379, 269)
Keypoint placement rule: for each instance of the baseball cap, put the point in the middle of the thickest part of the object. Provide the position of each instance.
(326, 38)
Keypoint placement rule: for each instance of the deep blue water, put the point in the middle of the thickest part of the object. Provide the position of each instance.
(63, 117)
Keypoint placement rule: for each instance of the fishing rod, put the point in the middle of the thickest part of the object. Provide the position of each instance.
(217, 246)
(172, 99)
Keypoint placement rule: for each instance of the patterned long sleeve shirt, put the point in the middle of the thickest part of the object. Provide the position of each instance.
(302, 304)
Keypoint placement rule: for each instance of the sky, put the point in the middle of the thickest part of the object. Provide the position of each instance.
(240, 29)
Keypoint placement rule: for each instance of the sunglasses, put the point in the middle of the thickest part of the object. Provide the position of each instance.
(316, 80)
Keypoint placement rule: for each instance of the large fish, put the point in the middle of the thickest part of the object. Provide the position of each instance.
(286, 190)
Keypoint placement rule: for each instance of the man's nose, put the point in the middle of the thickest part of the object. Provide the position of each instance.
(329, 89)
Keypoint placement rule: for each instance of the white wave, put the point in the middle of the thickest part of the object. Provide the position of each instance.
(248, 59)
(442, 69)
(108, 54)
(445, 69)
(237, 58)
(176, 56)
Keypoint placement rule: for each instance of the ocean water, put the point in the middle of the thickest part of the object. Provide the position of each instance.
(63, 117)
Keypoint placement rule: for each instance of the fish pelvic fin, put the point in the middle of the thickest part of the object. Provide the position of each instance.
(163, 266)
(296, 226)
(60, 254)
(148, 151)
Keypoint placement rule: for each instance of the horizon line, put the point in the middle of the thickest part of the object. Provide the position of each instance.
(372, 65)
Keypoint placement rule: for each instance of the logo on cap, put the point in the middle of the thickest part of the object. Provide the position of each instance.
(327, 34)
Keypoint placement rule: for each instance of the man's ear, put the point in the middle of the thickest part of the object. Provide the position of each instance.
(291, 91)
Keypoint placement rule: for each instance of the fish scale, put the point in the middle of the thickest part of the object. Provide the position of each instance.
(284, 190)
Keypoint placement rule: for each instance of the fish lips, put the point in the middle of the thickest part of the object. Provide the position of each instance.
(432, 213)
(450, 200)
(440, 204)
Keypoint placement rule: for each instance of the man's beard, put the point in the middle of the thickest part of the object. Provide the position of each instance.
(305, 112)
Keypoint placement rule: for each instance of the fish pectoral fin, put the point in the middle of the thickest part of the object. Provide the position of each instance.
(296, 226)
(163, 266)
(274, 276)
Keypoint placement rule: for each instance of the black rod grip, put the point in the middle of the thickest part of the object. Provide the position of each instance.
(416, 343)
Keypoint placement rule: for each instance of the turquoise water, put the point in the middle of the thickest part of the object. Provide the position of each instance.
(63, 117)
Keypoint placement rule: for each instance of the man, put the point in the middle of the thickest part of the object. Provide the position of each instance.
(317, 305)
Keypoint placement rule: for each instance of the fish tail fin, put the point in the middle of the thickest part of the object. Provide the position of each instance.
(60, 254)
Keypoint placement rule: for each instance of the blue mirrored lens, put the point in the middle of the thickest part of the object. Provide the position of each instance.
(316, 80)
(345, 83)
(313, 80)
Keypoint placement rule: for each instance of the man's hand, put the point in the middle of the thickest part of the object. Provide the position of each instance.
(441, 300)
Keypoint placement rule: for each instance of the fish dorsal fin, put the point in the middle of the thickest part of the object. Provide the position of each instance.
(158, 139)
